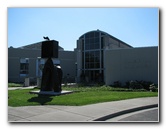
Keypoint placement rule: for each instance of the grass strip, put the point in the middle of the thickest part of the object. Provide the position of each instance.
(82, 96)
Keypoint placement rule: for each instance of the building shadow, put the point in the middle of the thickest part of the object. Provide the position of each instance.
(41, 99)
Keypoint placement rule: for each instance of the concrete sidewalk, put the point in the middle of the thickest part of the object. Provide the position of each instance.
(16, 88)
(87, 113)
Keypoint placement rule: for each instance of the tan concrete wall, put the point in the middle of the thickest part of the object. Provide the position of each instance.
(131, 64)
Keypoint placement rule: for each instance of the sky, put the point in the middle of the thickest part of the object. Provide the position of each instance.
(138, 27)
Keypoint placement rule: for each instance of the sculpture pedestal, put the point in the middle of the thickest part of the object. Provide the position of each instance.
(51, 93)
(26, 83)
(39, 82)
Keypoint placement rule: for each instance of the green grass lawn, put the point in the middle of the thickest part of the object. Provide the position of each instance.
(81, 96)
(14, 85)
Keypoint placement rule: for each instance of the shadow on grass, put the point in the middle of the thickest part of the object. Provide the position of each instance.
(41, 99)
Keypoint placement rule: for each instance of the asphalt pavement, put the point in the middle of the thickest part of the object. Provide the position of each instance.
(145, 115)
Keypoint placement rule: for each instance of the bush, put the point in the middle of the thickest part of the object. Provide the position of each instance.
(153, 88)
(147, 85)
(135, 85)
(117, 84)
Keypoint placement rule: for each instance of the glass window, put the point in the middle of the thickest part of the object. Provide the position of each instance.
(92, 59)
(96, 34)
(92, 55)
(87, 35)
(24, 67)
(91, 46)
(102, 42)
(87, 47)
(91, 40)
(102, 59)
(96, 46)
(86, 41)
(83, 45)
(91, 34)
(82, 60)
(97, 53)
(96, 40)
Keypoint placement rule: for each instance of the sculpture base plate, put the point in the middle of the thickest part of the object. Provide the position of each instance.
(52, 93)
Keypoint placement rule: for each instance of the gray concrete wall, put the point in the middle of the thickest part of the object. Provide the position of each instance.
(23, 53)
(14, 56)
(13, 69)
(111, 43)
(131, 64)
(67, 60)
(79, 64)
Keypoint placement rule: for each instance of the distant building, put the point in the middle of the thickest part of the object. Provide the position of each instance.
(99, 57)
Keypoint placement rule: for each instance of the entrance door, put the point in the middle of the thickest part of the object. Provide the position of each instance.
(93, 76)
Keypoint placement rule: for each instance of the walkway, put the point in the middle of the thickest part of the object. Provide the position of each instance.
(88, 113)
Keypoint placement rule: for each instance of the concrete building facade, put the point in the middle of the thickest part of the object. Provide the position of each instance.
(26, 62)
(104, 58)
(98, 58)
(131, 64)
(90, 54)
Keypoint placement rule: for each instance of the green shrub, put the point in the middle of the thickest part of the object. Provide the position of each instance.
(135, 85)
(117, 84)
(153, 88)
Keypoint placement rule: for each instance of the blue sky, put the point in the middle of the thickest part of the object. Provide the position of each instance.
(138, 27)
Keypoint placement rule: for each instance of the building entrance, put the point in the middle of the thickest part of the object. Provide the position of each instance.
(93, 76)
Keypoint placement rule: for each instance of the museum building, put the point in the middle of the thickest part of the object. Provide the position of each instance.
(98, 58)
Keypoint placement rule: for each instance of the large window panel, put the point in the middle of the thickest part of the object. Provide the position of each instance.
(24, 67)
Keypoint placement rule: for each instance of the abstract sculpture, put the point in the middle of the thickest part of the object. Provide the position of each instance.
(52, 74)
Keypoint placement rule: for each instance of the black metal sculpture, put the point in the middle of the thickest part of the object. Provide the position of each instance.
(46, 38)
(52, 74)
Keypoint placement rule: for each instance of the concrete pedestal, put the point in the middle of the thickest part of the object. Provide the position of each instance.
(52, 93)
(26, 83)
(39, 82)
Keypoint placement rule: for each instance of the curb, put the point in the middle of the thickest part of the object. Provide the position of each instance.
(104, 118)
